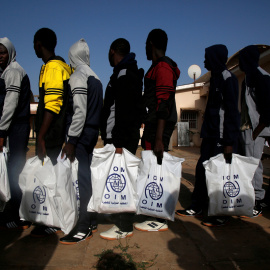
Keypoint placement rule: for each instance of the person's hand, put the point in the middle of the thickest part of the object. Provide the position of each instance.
(2, 140)
(41, 149)
(118, 150)
(69, 150)
(228, 153)
(158, 150)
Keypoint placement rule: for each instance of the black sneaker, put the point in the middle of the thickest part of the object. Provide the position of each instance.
(44, 231)
(93, 227)
(257, 210)
(189, 212)
(216, 221)
(76, 236)
(15, 225)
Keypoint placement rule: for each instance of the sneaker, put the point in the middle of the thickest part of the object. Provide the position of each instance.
(257, 210)
(216, 221)
(189, 212)
(93, 227)
(16, 225)
(43, 231)
(152, 226)
(76, 236)
(115, 233)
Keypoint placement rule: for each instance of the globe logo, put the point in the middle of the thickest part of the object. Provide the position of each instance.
(39, 194)
(231, 189)
(116, 182)
(154, 191)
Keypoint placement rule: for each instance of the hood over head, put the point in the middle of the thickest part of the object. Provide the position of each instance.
(79, 54)
(10, 48)
(216, 56)
(249, 58)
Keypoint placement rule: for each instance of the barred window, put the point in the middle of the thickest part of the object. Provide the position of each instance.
(191, 117)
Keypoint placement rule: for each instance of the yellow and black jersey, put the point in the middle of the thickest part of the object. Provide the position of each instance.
(53, 96)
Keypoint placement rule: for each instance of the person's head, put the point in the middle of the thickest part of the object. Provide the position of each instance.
(79, 54)
(44, 39)
(215, 58)
(249, 58)
(7, 52)
(157, 40)
(118, 50)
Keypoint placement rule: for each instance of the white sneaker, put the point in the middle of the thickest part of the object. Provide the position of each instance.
(152, 226)
(115, 233)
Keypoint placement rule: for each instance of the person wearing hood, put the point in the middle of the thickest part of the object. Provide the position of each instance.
(15, 95)
(159, 107)
(220, 130)
(255, 115)
(52, 105)
(83, 120)
(120, 118)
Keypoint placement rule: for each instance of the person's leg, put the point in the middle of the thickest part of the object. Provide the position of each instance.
(255, 149)
(43, 231)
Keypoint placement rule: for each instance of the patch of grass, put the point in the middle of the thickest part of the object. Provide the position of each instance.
(126, 256)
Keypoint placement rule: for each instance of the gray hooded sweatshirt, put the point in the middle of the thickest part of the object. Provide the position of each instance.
(14, 92)
(86, 97)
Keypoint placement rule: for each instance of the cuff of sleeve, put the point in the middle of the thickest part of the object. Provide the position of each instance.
(3, 133)
(73, 140)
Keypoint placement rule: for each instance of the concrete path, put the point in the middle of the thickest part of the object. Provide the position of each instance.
(242, 244)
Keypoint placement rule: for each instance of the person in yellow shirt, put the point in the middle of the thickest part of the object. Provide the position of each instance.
(53, 98)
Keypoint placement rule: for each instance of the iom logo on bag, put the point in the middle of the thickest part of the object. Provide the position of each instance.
(231, 189)
(39, 194)
(154, 191)
(116, 181)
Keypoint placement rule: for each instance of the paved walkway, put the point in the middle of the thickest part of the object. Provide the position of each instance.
(242, 244)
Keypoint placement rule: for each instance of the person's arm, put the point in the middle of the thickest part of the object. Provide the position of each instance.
(13, 79)
(47, 120)
(126, 98)
(263, 96)
(164, 89)
(231, 124)
(78, 88)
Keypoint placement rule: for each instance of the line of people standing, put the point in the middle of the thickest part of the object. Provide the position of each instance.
(71, 111)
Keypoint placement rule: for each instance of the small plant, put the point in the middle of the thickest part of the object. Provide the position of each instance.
(125, 260)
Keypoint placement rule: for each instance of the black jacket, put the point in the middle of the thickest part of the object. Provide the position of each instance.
(221, 118)
(120, 117)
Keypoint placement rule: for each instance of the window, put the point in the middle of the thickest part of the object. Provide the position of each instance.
(191, 117)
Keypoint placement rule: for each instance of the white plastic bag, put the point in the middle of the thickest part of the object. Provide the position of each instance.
(4, 181)
(229, 186)
(113, 179)
(158, 186)
(38, 185)
(65, 196)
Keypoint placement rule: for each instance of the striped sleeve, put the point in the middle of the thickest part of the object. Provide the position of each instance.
(79, 94)
(13, 79)
(54, 90)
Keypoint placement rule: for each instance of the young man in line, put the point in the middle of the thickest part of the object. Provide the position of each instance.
(53, 98)
(255, 115)
(159, 106)
(83, 119)
(220, 129)
(121, 119)
(14, 127)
